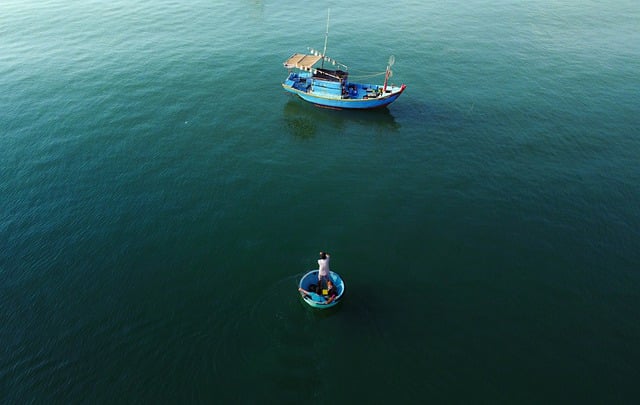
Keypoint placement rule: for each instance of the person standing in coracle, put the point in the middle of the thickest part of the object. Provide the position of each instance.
(324, 270)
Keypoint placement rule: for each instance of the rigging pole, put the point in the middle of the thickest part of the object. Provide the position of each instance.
(388, 73)
(326, 37)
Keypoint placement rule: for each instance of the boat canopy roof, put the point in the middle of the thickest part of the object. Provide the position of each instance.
(301, 61)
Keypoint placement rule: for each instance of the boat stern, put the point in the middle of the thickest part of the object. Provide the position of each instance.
(297, 81)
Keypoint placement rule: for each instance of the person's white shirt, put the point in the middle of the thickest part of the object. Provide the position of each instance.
(323, 266)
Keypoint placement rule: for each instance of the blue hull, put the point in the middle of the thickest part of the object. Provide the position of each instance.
(334, 95)
(312, 278)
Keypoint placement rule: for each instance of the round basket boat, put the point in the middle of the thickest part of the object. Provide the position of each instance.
(316, 300)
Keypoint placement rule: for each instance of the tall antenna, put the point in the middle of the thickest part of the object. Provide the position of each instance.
(326, 37)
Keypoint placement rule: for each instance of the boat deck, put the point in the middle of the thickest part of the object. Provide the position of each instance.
(318, 84)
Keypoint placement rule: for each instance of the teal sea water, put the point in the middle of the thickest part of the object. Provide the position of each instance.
(161, 195)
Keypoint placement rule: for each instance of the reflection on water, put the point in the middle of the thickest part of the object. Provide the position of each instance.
(299, 124)
(318, 313)
(302, 118)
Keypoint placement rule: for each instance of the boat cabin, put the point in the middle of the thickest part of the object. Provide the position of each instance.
(327, 82)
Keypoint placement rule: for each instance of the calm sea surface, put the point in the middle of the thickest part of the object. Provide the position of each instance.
(161, 195)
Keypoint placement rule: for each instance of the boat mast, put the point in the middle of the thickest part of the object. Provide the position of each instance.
(388, 73)
(386, 79)
(326, 37)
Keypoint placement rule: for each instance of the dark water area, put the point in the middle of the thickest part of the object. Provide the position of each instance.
(161, 196)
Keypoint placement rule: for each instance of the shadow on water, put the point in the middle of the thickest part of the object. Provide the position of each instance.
(303, 119)
(318, 313)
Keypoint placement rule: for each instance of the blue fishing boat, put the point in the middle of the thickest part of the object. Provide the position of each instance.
(332, 88)
(317, 299)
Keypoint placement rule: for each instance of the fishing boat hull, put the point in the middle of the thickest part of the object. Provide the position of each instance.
(311, 278)
(348, 95)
